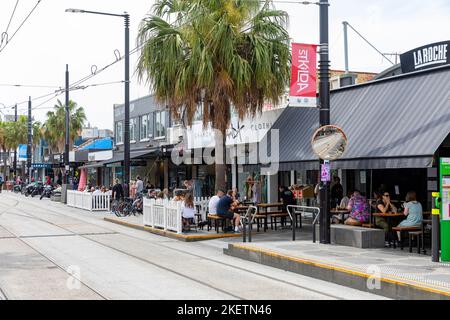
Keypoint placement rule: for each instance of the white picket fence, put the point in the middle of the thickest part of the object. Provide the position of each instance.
(166, 214)
(202, 203)
(88, 201)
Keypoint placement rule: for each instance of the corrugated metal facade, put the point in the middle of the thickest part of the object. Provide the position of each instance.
(391, 123)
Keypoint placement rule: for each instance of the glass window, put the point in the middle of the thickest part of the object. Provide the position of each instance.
(133, 131)
(119, 132)
(160, 124)
(144, 124)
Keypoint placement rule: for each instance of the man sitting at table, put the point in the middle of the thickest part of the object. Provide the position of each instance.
(225, 209)
(214, 201)
(384, 205)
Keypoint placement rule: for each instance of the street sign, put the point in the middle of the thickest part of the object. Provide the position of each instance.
(329, 142)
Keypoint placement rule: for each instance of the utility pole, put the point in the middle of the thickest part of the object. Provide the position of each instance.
(66, 148)
(324, 98)
(126, 145)
(15, 150)
(346, 47)
(29, 144)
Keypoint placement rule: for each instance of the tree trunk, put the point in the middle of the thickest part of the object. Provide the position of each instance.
(221, 167)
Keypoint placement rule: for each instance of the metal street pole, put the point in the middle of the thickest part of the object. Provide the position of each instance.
(126, 151)
(324, 98)
(66, 149)
(15, 150)
(126, 144)
(29, 144)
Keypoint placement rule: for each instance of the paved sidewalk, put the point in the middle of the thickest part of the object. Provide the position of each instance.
(402, 274)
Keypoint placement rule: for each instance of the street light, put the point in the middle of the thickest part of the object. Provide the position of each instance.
(324, 108)
(126, 151)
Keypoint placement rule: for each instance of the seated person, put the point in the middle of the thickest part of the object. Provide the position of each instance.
(224, 209)
(345, 200)
(188, 210)
(384, 205)
(359, 212)
(413, 212)
(212, 206)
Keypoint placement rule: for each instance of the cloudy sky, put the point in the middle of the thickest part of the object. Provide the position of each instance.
(51, 38)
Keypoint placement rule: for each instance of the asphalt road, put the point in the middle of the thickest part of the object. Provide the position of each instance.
(50, 251)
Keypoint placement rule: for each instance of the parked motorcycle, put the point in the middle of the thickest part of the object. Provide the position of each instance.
(18, 188)
(30, 189)
(48, 191)
(38, 189)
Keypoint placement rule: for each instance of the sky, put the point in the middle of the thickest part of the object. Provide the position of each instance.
(52, 38)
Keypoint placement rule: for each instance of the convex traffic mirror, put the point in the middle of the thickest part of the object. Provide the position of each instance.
(329, 142)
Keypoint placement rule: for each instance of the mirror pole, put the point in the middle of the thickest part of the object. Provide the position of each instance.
(324, 98)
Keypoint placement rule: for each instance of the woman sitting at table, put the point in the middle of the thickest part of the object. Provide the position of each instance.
(413, 211)
(359, 212)
(384, 205)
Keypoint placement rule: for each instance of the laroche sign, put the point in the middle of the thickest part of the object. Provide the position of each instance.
(429, 56)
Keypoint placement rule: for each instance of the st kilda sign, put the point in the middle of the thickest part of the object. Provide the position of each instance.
(429, 56)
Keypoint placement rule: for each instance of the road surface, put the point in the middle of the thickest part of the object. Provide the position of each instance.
(50, 251)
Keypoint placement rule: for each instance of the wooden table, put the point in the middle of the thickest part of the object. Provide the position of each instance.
(262, 210)
(342, 212)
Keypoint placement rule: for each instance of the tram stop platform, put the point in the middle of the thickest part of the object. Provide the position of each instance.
(393, 273)
(136, 222)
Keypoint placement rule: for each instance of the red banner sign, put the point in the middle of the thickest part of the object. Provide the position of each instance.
(303, 91)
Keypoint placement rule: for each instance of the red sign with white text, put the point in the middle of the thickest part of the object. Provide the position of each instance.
(303, 91)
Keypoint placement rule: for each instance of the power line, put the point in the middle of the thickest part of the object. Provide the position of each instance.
(27, 86)
(12, 15)
(8, 40)
(384, 56)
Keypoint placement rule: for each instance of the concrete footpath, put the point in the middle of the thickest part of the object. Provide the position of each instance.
(387, 272)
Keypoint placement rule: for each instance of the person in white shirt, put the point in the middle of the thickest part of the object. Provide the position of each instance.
(214, 201)
(96, 192)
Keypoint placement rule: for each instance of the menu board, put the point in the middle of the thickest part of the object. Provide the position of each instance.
(445, 198)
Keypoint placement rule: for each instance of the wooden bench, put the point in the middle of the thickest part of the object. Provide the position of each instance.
(273, 218)
(403, 230)
(217, 219)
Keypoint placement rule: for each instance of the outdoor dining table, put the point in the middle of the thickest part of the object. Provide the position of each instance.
(342, 212)
(262, 210)
(389, 217)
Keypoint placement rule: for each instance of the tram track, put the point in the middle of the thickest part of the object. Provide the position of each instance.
(221, 263)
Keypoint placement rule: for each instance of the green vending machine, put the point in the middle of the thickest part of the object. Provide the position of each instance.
(445, 208)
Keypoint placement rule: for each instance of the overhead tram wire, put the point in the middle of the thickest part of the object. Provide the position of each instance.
(9, 23)
(75, 84)
(56, 94)
(20, 26)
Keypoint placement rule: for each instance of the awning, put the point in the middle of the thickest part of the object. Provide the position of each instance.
(118, 157)
(397, 122)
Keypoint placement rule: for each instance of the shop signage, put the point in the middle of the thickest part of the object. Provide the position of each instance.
(22, 154)
(41, 165)
(429, 56)
(325, 172)
(303, 89)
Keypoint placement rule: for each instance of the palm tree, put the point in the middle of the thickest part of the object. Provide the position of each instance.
(220, 53)
(54, 127)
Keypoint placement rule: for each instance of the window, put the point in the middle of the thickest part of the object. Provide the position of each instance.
(133, 127)
(144, 126)
(160, 124)
(119, 132)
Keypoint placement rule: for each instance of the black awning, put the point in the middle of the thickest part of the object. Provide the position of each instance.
(391, 123)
